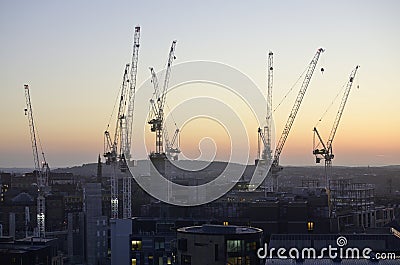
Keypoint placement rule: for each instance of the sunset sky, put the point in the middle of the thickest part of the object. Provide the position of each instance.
(72, 54)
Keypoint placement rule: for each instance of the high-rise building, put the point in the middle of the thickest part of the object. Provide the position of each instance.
(96, 227)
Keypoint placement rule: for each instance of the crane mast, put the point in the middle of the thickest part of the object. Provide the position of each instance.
(268, 130)
(125, 154)
(158, 106)
(132, 94)
(264, 134)
(42, 172)
(326, 152)
(275, 168)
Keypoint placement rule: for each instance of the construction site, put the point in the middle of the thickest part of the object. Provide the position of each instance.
(99, 214)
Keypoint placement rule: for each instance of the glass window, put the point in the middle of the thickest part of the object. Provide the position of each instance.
(136, 245)
(235, 261)
(159, 244)
(234, 245)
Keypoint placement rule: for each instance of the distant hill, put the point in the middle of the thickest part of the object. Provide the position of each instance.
(385, 178)
(16, 170)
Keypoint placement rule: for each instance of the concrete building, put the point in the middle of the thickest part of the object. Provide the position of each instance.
(30, 251)
(218, 245)
(121, 231)
(346, 248)
(354, 209)
(96, 226)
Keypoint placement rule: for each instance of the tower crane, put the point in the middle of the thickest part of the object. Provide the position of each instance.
(264, 135)
(275, 167)
(157, 105)
(326, 151)
(172, 149)
(125, 154)
(111, 146)
(117, 150)
(41, 171)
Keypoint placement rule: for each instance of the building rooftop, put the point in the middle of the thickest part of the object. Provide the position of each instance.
(220, 229)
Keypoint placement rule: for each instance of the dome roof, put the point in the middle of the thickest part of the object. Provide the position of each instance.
(23, 197)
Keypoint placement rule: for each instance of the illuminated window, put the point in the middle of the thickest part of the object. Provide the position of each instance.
(310, 226)
(186, 260)
(226, 223)
(133, 262)
(136, 245)
(234, 245)
(235, 260)
(250, 246)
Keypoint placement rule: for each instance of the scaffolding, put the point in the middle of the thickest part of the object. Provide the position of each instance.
(346, 195)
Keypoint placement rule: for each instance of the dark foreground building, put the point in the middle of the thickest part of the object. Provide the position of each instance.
(29, 251)
(218, 245)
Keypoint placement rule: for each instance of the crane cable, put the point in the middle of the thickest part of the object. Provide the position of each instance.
(172, 116)
(287, 93)
(113, 110)
(330, 105)
(40, 144)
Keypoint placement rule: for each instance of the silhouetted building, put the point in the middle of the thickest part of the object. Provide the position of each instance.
(99, 170)
(96, 226)
(30, 251)
(218, 245)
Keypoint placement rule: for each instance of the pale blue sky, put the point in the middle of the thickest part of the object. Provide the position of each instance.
(72, 53)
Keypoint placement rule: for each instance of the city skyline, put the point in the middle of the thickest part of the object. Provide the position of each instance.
(72, 55)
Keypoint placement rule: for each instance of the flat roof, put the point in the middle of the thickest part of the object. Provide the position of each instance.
(220, 229)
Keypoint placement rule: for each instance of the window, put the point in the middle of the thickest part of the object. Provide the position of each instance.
(186, 260)
(235, 260)
(159, 244)
(133, 262)
(136, 245)
(310, 226)
(250, 246)
(234, 245)
(216, 252)
(182, 244)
